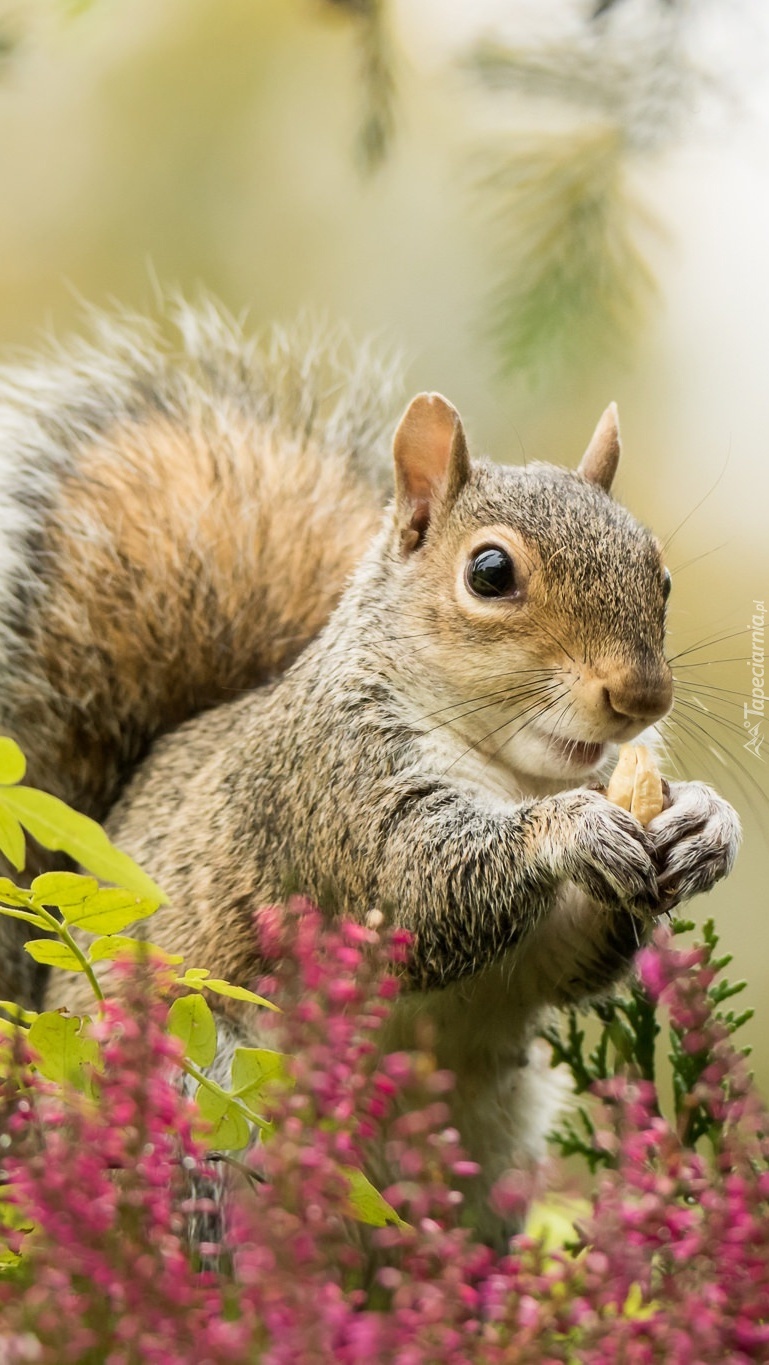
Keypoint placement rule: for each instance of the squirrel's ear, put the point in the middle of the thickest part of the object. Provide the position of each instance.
(600, 460)
(431, 463)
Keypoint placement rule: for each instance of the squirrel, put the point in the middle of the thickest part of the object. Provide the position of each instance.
(220, 637)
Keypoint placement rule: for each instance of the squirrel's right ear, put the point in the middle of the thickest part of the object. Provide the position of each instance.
(431, 463)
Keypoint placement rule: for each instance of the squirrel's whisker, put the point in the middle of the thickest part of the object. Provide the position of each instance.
(696, 559)
(524, 695)
(727, 759)
(504, 693)
(559, 643)
(669, 539)
(539, 711)
(708, 688)
(668, 756)
(536, 705)
(708, 663)
(706, 643)
(703, 713)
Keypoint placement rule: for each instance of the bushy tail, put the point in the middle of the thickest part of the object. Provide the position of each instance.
(180, 506)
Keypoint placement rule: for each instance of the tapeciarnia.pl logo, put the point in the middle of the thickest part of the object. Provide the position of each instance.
(754, 710)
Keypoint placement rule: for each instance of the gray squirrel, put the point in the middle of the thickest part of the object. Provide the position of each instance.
(219, 637)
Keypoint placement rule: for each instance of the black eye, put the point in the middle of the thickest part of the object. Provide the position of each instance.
(667, 584)
(491, 573)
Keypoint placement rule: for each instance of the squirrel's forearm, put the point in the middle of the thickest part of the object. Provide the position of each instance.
(467, 883)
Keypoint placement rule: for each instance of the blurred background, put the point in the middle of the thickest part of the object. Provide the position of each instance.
(542, 206)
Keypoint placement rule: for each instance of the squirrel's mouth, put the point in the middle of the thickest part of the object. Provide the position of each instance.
(578, 754)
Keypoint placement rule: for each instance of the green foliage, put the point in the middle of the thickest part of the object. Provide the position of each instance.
(191, 1020)
(628, 1042)
(13, 764)
(199, 979)
(367, 1203)
(65, 1051)
(694, 1120)
(54, 825)
(228, 1125)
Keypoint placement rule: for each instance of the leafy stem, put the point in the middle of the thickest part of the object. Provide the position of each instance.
(231, 1100)
(60, 929)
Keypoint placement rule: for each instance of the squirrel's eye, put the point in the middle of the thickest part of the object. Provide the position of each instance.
(667, 584)
(491, 573)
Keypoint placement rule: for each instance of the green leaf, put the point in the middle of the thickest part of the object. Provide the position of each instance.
(12, 843)
(62, 889)
(9, 1028)
(255, 1067)
(194, 977)
(198, 979)
(52, 953)
(57, 827)
(13, 764)
(367, 1203)
(112, 947)
(190, 1019)
(62, 1051)
(19, 1015)
(230, 1131)
(108, 910)
(15, 895)
(220, 987)
(552, 1221)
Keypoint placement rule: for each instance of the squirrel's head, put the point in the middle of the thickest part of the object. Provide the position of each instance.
(535, 602)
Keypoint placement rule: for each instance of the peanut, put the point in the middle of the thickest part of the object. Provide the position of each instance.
(635, 784)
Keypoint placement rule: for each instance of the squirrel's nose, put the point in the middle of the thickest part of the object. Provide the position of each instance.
(639, 698)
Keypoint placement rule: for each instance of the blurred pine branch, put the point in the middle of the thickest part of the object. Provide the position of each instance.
(377, 124)
(572, 281)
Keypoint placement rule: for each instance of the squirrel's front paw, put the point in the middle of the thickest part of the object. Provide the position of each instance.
(605, 850)
(695, 841)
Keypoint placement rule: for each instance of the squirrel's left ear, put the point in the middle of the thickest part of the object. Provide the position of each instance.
(600, 460)
(431, 463)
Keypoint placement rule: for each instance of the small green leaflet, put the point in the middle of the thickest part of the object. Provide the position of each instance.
(114, 946)
(13, 764)
(12, 843)
(367, 1204)
(198, 979)
(57, 827)
(253, 1068)
(14, 895)
(109, 910)
(220, 987)
(85, 905)
(63, 1054)
(191, 1020)
(63, 889)
(52, 953)
(230, 1129)
(19, 1015)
